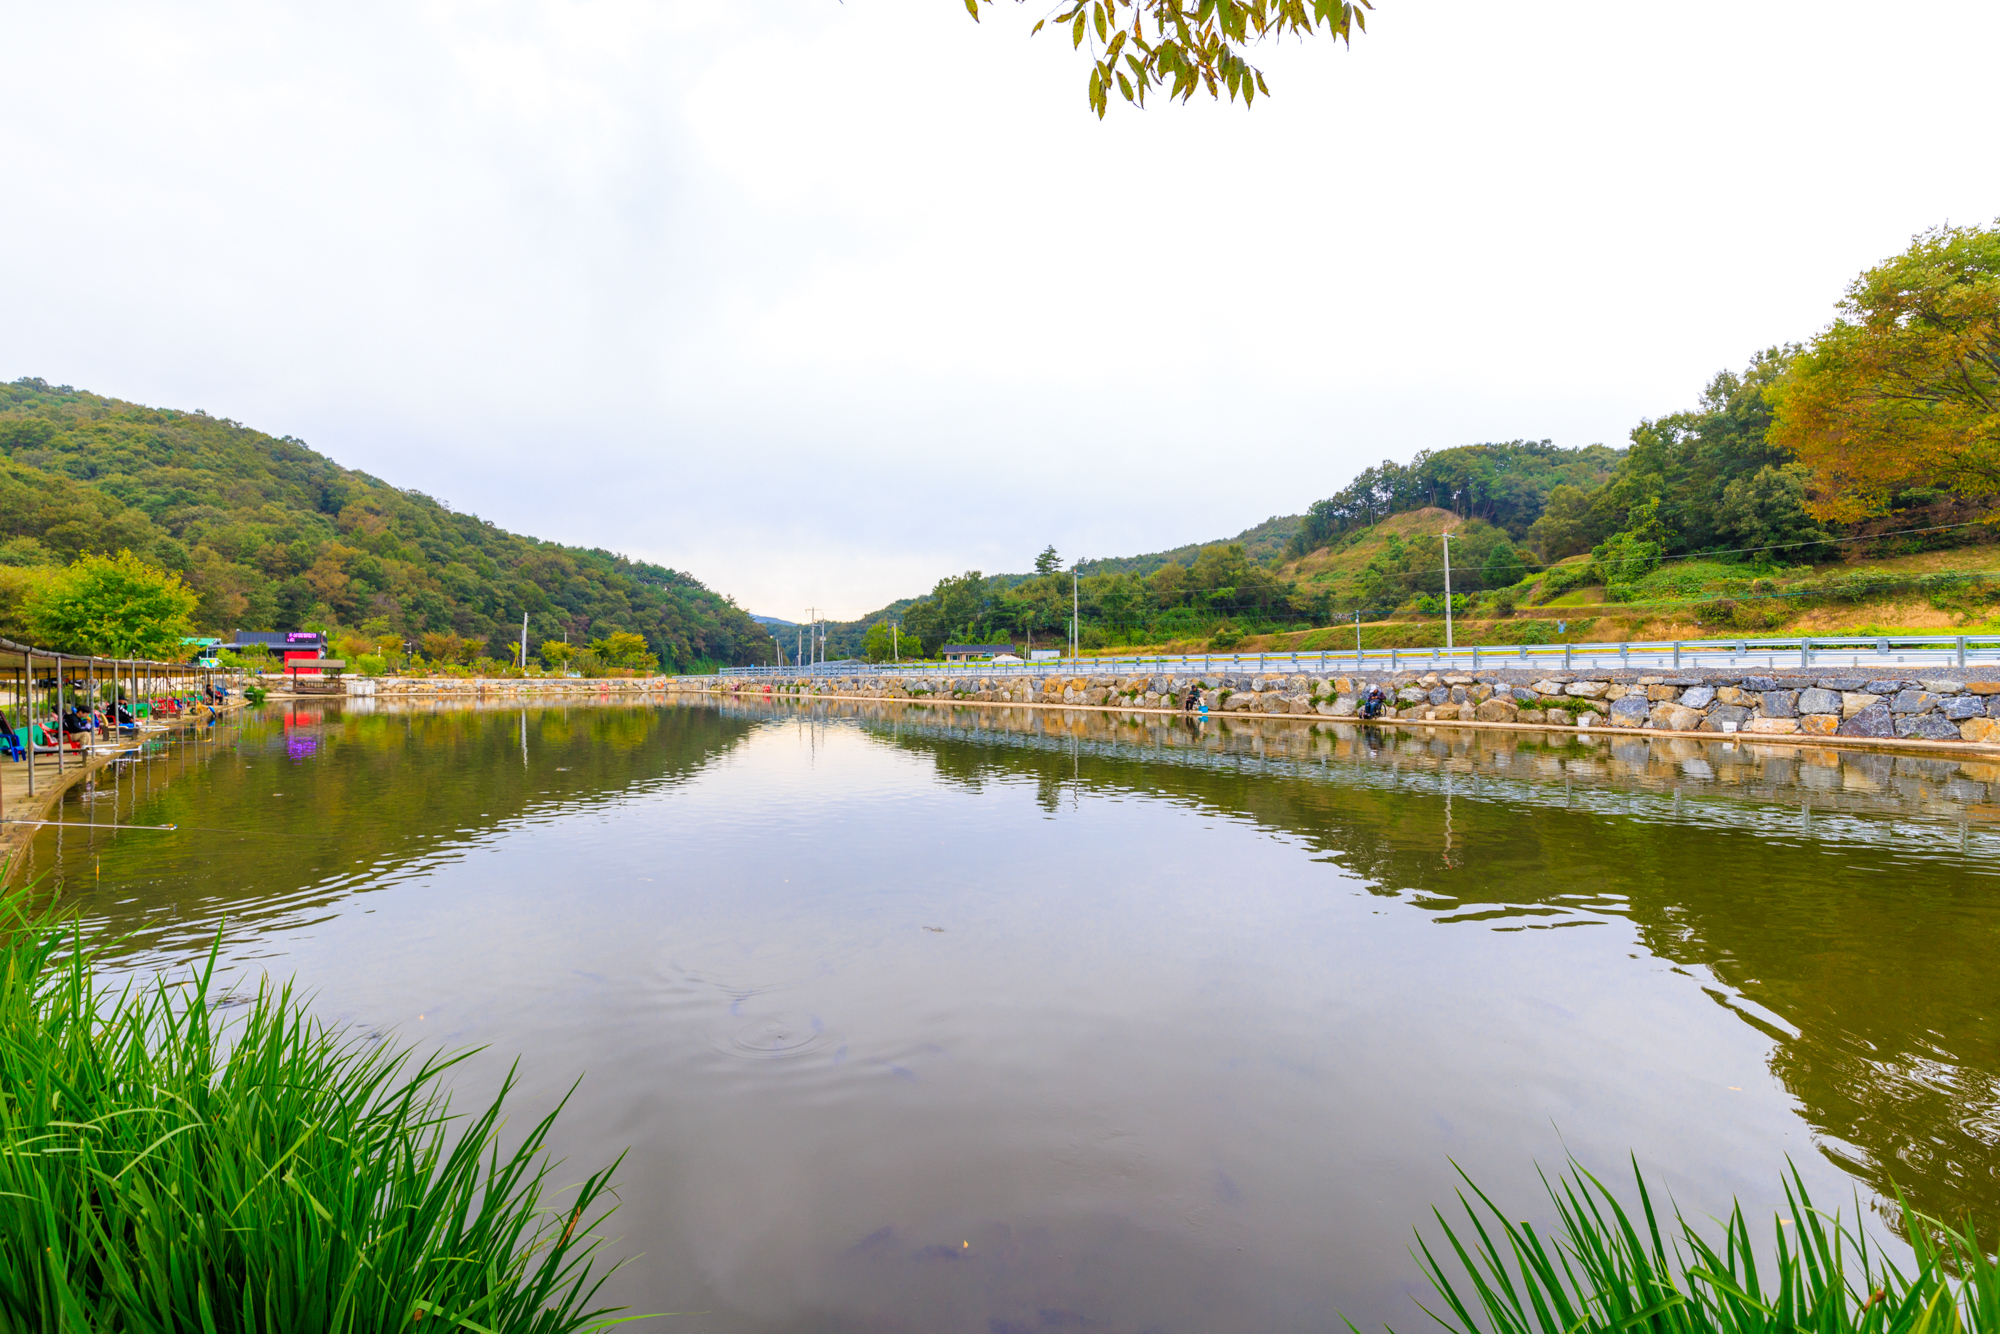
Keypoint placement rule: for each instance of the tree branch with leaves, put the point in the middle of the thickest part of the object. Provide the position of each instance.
(1186, 46)
(1903, 389)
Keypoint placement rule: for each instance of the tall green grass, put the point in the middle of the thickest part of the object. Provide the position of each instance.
(1604, 1270)
(162, 1168)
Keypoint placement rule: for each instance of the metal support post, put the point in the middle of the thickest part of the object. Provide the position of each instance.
(28, 711)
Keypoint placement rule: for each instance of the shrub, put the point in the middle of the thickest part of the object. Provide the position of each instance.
(1561, 579)
(1225, 636)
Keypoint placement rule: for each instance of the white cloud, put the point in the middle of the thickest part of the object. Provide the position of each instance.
(820, 301)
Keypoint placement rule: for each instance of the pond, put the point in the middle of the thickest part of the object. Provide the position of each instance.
(922, 1018)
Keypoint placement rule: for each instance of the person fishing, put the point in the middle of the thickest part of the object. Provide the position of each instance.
(1373, 702)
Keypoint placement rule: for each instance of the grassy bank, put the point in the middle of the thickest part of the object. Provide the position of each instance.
(1605, 1270)
(161, 1169)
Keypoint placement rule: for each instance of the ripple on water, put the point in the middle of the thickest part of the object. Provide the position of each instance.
(770, 1037)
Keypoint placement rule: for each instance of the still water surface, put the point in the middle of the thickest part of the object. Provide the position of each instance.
(981, 1020)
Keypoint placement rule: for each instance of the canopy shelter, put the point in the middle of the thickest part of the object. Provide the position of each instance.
(35, 681)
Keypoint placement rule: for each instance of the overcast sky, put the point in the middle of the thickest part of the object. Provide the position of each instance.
(819, 301)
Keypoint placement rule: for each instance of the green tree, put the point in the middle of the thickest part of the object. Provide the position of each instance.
(1903, 389)
(1566, 524)
(1770, 510)
(447, 648)
(1048, 562)
(955, 608)
(623, 649)
(114, 606)
(886, 643)
(557, 652)
(1503, 566)
(1183, 46)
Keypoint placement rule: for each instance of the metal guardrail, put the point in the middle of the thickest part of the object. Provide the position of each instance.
(1799, 652)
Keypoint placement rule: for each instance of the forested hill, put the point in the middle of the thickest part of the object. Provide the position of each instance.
(271, 534)
(1267, 541)
(1507, 485)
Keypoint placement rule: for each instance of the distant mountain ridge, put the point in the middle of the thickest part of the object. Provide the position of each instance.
(273, 535)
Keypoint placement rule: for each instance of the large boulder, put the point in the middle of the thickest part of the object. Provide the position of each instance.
(1943, 687)
(1725, 713)
(1779, 703)
(1985, 731)
(1676, 717)
(1699, 698)
(1926, 727)
(1883, 687)
(1817, 700)
(1496, 711)
(1854, 701)
(1913, 701)
(1629, 711)
(1772, 726)
(1587, 689)
(1960, 707)
(1759, 684)
(1819, 724)
(1873, 721)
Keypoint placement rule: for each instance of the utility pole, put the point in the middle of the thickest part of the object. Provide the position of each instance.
(524, 643)
(1075, 610)
(896, 643)
(1447, 593)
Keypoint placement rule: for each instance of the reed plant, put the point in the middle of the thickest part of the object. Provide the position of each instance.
(171, 1160)
(1603, 1269)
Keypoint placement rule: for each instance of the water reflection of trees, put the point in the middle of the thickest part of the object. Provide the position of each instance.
(1852, 895)
(341, 803)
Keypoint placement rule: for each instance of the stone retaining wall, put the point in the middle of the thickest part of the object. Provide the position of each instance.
(1944, 705)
